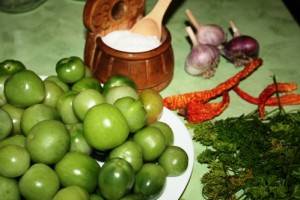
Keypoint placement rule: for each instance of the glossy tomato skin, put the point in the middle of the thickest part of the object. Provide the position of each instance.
(174, 160)
(78, 169)
(134, 112)
(39, 182)
(152, 142)
(87, 83)
(129, 151)
(24, 88)
(53, 92)
(150, 180)
(70, 69)
(153, 104)
(166, 130)
(118, 80)
(116, 178)
(105, 127)
(9, 189)
(6, 124)
(15, 114)
(65, 109)
(48, 141)
(10, 66)
(15, 160)
(71, 193)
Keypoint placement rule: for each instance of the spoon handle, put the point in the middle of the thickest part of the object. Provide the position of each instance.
(157, 13)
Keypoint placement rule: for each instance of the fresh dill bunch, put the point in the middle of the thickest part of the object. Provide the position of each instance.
(251, 158)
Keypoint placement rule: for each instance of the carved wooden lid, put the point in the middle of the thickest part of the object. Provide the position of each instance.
(104, 16)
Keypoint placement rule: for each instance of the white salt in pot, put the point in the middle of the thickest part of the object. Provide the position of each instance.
(149, 69)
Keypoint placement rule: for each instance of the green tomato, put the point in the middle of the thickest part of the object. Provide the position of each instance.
(78, 169)
(78, 141)
(53, 93)
(153, 104)
(9, 189)
(70, 70)
(95, 197)
(129, 151)
(118, 80)
(65, 108)
(35, 114)
(133, 197)
(105, 127)
(2, 95)
(72, 193)
(134, 112)
(174, 160)
(18, 140)
(39, 182)
(166, 130)
(85, 100)
(9, 67)
(115, 93)
(87, 83)
(116, 178)
(24, 88)
(48, 141)
(15, 115)
(152, 142)
(150, 180)
(15, 160)
(6, 124)
(58, 82)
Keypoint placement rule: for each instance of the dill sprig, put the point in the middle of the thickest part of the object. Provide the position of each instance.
(251, 158)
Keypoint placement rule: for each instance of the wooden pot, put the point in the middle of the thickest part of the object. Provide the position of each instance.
(150, 69)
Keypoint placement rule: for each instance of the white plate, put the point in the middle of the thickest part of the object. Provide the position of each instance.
(175, 186)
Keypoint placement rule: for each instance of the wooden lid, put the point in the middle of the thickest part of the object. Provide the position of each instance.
(104, 16)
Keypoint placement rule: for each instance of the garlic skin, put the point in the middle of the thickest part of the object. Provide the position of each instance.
(211, 34)
(202, 61)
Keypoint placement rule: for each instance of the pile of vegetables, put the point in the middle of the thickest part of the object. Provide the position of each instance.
(67, 137)
(251, 158)
(209, 43)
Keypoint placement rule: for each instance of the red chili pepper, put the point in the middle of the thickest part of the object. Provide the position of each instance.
(180, 101)
(197, 112)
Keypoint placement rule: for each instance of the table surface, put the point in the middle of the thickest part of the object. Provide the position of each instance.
(54, 30)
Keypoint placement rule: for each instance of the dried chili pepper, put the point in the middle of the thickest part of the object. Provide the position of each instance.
(197, 112)
(180, 101)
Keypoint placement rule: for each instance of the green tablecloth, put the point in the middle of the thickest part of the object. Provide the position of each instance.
(41, 37)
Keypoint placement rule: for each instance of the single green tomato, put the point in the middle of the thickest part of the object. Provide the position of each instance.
(87, 83)
(129, 151)
(174, 160)
(9, 189)
(15, 114)
(72, 193)
(70, 69)
(15, 160)
(118, 80)
(53, 93)
(116, 178)
(166, 130)
(39, 182)
(78, 169)
(134, 112)
(105, 127)
(35, 114)
(85, 100)
(150, 180)
(10, 66)
(115, 93)
(48, 141)
(152, 142)
(24, 89)
(65, 108)
(6, 124)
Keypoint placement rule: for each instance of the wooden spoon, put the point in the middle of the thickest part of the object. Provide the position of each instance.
(151, 24)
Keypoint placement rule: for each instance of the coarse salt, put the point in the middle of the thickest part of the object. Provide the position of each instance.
(124, 40)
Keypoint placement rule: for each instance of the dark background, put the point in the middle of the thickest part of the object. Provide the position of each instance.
(294, 7)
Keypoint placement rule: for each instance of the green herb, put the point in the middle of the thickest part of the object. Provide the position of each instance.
(250, 158)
